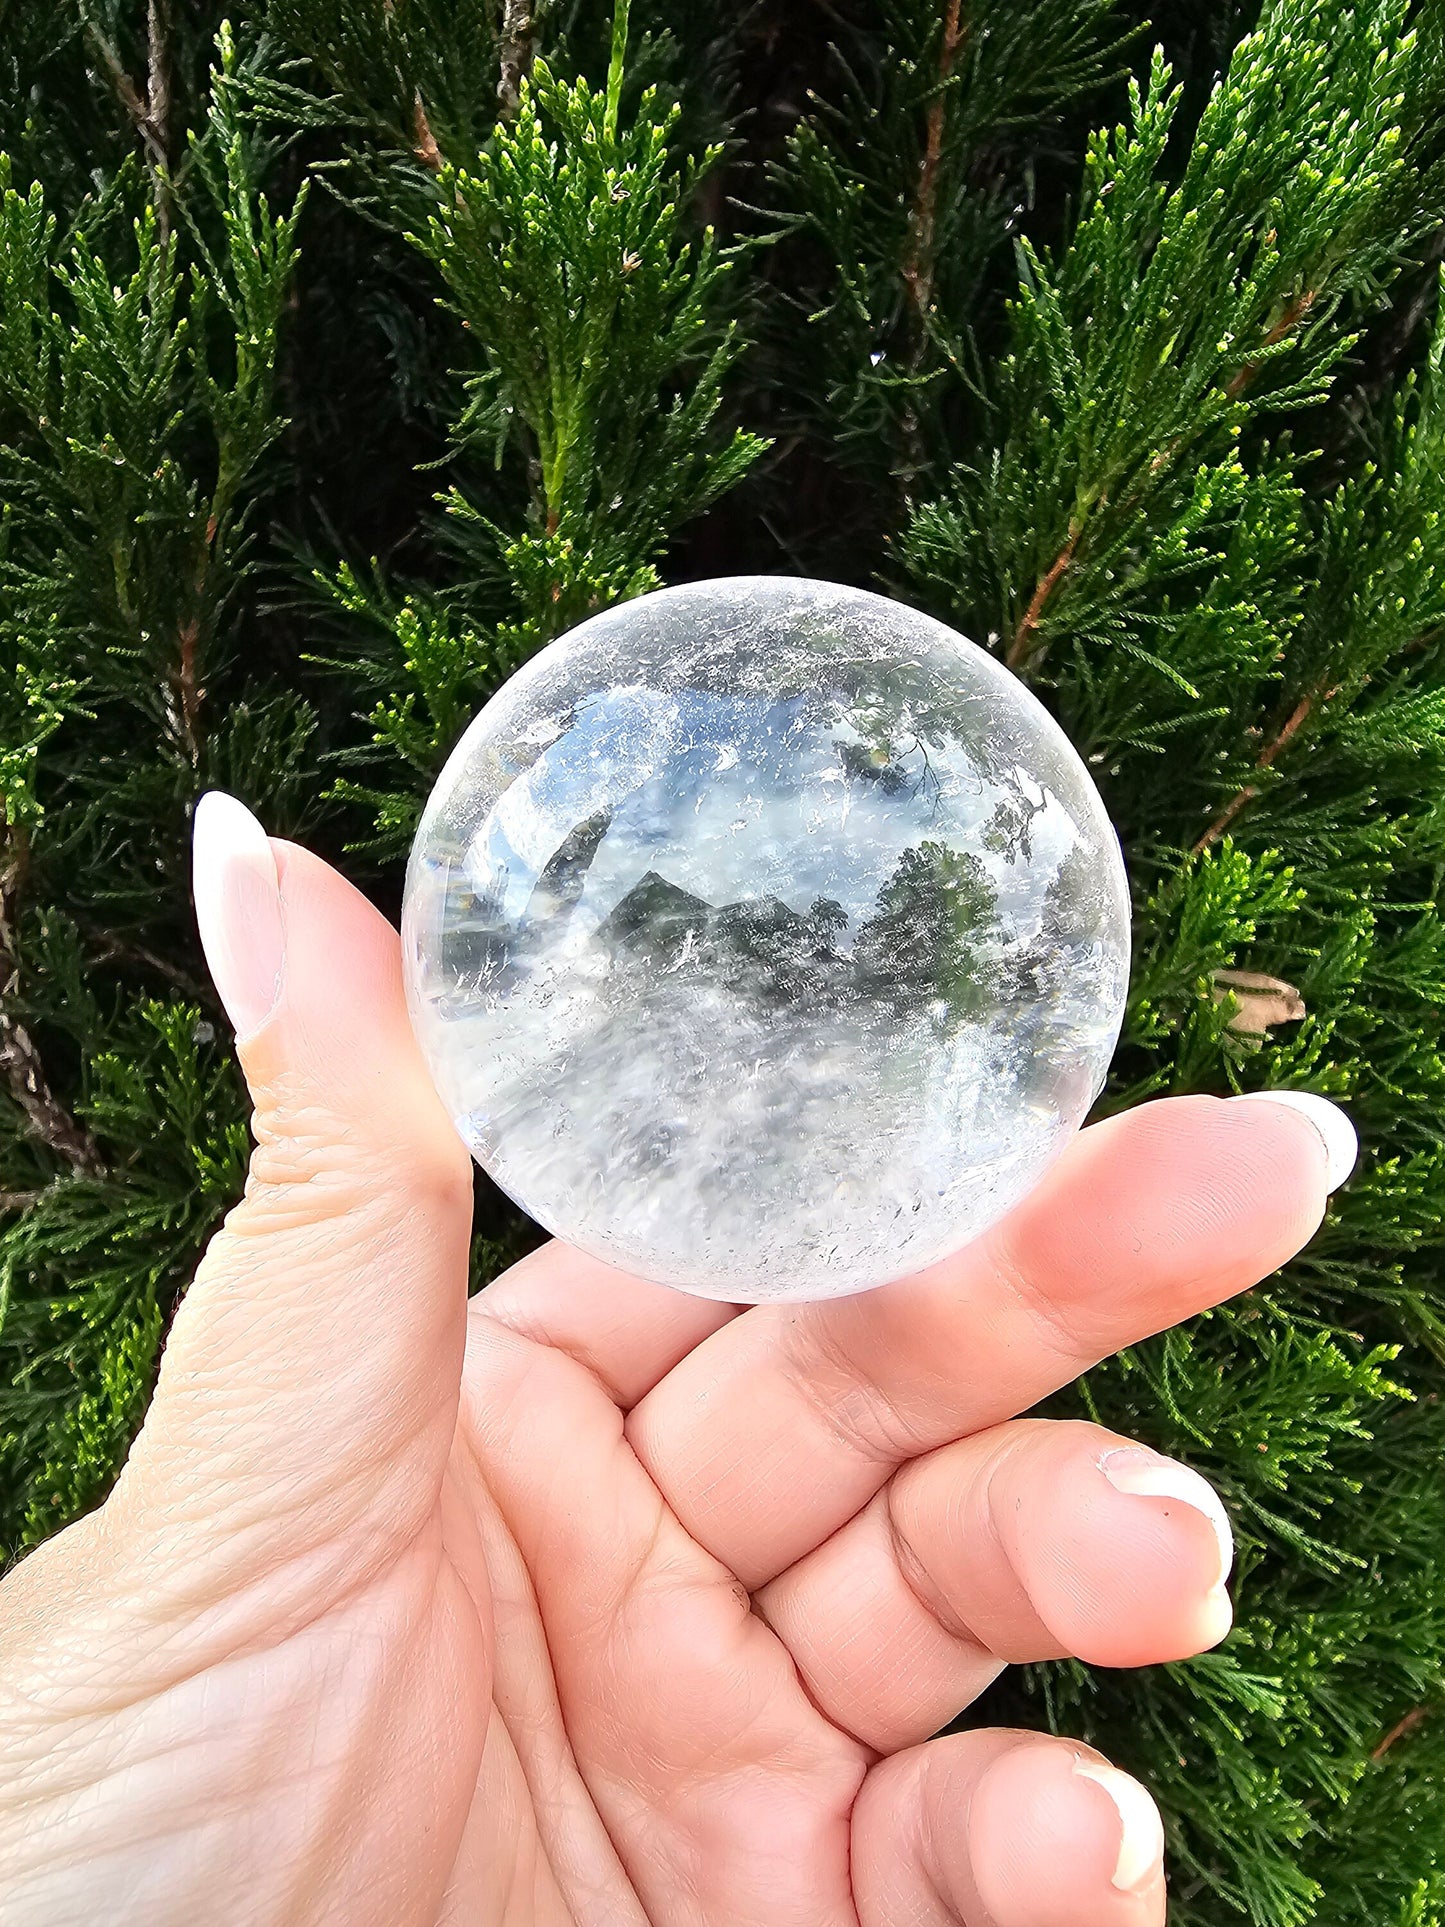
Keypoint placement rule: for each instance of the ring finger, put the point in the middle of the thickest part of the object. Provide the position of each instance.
(1030, 1541)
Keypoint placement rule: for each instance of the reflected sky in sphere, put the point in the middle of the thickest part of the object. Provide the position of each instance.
(766, 938)
(742, 796)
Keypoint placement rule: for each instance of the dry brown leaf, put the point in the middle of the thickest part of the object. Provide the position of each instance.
(1263, 1001)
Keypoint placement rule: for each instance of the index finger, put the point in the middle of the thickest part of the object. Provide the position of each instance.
(779, 1427)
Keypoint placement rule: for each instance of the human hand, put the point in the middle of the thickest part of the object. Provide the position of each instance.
(593, 1602)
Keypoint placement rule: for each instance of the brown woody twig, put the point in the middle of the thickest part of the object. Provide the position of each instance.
(1415, 1717)
(918, 265)
(149, 112)
(1021, 648)
(921, 256)
(1294, 313)
(1298, 716)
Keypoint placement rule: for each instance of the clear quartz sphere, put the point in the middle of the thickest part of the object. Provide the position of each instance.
(766, 938)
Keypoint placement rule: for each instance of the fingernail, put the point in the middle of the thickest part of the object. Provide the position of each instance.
(1141, 1842)
(1342, 1147)
(238, 909)
(1144, 1474)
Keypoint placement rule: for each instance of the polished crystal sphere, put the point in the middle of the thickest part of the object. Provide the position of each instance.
(766, 938)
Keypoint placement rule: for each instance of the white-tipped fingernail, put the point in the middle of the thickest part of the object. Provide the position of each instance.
(1141, 1842)
(238, 909)
(1145, 1474)
(1342, 1147)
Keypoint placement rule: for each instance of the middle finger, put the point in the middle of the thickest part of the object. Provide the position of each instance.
(783, 1424)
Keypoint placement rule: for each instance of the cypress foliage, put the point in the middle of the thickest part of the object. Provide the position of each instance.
(354, 349)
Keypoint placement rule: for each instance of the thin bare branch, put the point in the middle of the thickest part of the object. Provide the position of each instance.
(918, 267)
(1022, 646)
(111, 948)
(1415, 1717)
(158, 73)
(518, 50)
(20, 1062)
(189, 689)
(149, 112)
(920, 259)
(1298, 717)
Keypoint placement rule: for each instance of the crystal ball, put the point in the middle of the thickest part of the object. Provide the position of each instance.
(766, 938)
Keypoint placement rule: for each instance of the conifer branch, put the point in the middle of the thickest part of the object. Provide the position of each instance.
(616, 67)
(1237, 612)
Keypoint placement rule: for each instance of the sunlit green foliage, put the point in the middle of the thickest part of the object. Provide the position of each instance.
(349, 354)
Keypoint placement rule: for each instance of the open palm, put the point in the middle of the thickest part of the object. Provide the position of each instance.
(595, 1603)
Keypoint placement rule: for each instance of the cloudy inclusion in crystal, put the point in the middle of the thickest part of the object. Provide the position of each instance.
(766, 938)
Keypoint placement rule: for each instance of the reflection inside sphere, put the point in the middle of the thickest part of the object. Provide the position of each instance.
(766, 938)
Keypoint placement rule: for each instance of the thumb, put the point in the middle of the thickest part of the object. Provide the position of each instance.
(308, 1391)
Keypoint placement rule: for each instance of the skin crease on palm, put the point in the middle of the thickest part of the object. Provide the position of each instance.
(592, 1602)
